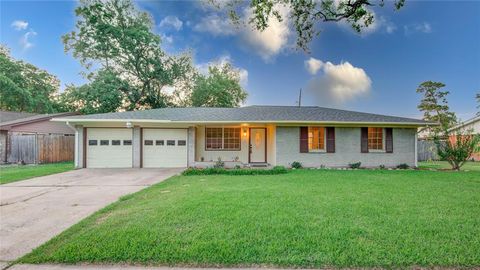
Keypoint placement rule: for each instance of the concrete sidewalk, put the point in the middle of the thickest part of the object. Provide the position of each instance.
(119, 267)
(35, 210)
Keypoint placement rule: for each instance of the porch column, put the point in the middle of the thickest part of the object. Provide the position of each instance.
(137, 144)
(191, 147)
(79, 141)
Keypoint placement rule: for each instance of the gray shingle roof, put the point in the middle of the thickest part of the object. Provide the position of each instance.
(252, 113)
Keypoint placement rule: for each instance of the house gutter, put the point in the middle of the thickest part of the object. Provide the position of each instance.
(242, 122)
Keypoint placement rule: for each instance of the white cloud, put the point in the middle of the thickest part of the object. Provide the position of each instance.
(25, 40)
(424, 27)
(313, 65)
(19, 25)
(380, 24)
(215, 25)
(171, 21)
(267, 43)
(339, 83)
(167, 39)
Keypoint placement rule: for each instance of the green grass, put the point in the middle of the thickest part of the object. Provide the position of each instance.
(470, 166)
(306, 218)
(15, 173)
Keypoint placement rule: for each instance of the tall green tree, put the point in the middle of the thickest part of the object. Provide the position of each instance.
(26, 88)
(105, 93)
(434, 106)
(115, 35)
(220, 88)
(306, 15)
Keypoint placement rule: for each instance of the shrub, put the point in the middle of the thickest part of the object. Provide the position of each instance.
(457, 148)
(219, 164)
(296, 165)
(382, 167)
(403, 166)
(212, 171)
(355, 165)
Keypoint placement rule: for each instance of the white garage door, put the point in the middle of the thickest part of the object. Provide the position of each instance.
(109, 148)
(164, 148)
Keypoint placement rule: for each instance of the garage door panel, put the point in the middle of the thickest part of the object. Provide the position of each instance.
(164, 148)
(109, 148)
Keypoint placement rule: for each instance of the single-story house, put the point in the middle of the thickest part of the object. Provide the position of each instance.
(20, 132)
(245, 136)
(472, 125)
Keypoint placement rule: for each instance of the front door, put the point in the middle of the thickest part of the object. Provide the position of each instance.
(258, 145)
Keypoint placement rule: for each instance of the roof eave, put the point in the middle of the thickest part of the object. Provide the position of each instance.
(412, 124)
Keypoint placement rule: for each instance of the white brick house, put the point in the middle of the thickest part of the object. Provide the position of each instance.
(253, 135)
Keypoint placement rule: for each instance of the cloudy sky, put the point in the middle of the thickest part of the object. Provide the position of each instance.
(377, 71)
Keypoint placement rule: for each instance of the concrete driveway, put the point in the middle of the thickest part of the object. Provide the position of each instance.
(35, 210)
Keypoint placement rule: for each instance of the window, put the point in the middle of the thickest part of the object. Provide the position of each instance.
(170, 142)
(127, 142)
(375, 138)
(213, 138)
(159, 142)
(104, 142)
(231, 138)
(222, 139)
(115, 142)
(181, 142)
(92, 142)
(148, 142)
(316, 139)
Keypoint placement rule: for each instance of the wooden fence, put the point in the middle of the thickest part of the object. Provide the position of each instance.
(426, 150)
(40, 148)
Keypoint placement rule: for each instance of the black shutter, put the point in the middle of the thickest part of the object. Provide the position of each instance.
(303, 139)
(330, 140)
(364, 140)
(389, 140)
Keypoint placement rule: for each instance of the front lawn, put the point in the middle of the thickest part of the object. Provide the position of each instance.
(443, 165)
(14, 173)
(306, 218)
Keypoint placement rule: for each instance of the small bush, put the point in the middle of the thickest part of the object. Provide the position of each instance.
(403, 166)
(212, 171)
(355, 165)
(296, 165)
(382, 167)
(219, 164)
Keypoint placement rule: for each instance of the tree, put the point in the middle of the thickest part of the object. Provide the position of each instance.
(26, 88)
(113, 34)
(306, 14)
(458, 148)
(106, 93)
(220, 88)
(434, 106)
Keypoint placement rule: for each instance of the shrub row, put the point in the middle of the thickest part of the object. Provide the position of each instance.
(210, 171)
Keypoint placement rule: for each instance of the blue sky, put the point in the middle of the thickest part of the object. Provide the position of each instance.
(377, 71)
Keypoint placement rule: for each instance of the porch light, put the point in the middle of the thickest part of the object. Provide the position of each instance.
(244, 132)
(129, 124)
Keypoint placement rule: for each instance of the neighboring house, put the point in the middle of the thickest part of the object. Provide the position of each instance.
(33, 138)
(253, 135)
(471, 125)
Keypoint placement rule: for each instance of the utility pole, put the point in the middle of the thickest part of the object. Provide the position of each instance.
(300, 98)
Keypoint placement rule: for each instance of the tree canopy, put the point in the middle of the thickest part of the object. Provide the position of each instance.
(24, 87)
(118, 37)
(135, 73)
(307, 14)
(220, 88)
(434, 105)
